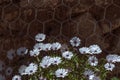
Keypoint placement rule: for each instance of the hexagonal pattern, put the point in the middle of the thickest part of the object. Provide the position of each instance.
(27, 14)
(112, 41)
(87, 3)
(71, 3)
(103, 3)
(86, 27)
(112, 13)
(62, 13)
(21, 29)
(4, 29)
(11, 13)
(38, 27)
(103, 26)
(78, 11)
(45, 3)
(97, 12)
(52, 28)
(69, 28)
(22, 3)
(45, 14)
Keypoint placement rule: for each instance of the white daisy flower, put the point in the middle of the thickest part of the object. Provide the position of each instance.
(2, 65)
(109, 66)
(118, 59)
(95, 49)
(56, 60)
(91, 77)
(22, 51)
(75, 41)
(34, 52)
(11, 54)
(61, 72)
(47, 47)
(39, 46)
(113, 58)
(2, 77)
(31, 69)
(46, 62)
(56, 46)
(93, 61)
(8, 71)
(84, 50)
(40, 37)
(67, 54)
(16, 77)
(96, 78)
(88, 72)
(22, 70)
(46, 58)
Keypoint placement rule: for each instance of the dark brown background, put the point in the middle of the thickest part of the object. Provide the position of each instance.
(94, 21)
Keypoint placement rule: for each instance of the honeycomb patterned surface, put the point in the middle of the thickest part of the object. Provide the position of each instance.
(94, 21)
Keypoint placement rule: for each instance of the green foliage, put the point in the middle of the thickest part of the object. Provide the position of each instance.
(115, 78)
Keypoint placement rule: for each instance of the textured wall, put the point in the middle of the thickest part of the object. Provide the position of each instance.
(94, 21)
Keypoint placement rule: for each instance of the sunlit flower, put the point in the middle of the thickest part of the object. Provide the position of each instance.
(8, 71)
(46, 58)
(56, 46)
(39, 46)
(93, 61)
(75, 41)
(11, 54)
(40, 37)
(2, 65)
(56, 60)
(84, 50)
(95, 49)
(47, 47)
(22, 70)
(88, 72)
(34, 52)
(91, 77)
(31, 69)
(22, 51)
(96, 78)
(16, 77)
(61, 72)
(67, 54)
(109, 66)
(113, 58)
(46, 62)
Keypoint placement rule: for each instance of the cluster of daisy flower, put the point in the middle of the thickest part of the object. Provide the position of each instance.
(63, 62)
(111, 59)
(5, 71)
(47, 61)
(28, 70)
(92, 50)
(20, 52)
